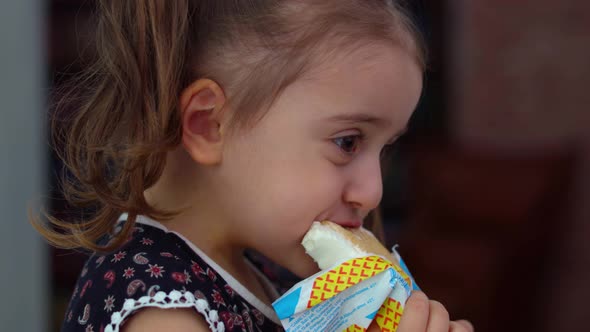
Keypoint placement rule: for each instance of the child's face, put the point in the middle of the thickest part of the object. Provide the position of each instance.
(316, 154)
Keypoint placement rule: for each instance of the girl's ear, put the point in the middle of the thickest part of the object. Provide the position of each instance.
(202, 107)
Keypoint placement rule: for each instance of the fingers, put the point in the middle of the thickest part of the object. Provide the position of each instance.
(461, 326)
(422, 314)
(438, 319)
(374, 327)
(416, 313)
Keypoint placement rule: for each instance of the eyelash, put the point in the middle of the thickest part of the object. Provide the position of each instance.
(386, 152)
(358, 139)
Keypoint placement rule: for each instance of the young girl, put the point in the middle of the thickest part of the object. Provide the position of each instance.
(208, 127)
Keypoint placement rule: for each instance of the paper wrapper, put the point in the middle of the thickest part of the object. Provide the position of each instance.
(348, 297)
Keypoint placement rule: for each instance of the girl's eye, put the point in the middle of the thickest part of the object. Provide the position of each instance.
(348, 144)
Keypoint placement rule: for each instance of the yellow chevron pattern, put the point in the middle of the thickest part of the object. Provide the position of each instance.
(345, 275)
(351, 273)
(389, 315)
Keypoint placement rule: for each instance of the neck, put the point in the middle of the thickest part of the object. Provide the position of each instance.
(183, 188)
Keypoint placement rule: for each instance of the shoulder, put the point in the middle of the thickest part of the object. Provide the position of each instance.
(153, 271)
(157, 272)
(154, 319)
(174, 311)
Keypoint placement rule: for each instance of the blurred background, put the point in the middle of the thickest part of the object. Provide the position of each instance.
(488, 195)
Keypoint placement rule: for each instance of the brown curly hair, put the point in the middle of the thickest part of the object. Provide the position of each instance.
(126, 117)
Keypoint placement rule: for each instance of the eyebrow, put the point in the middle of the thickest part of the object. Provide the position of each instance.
(367, 118)
(360, 117)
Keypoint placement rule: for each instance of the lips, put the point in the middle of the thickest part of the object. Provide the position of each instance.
(349, 223)
(348, 219)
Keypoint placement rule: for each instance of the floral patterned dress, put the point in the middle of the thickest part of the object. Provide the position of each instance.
(160, 268)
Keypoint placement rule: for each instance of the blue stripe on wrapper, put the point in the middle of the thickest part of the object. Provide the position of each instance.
(371, 316)
(407, 271)
(286, 307)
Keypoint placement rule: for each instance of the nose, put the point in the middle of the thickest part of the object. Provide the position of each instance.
(364, 187)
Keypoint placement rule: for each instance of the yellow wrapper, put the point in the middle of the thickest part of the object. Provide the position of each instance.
(348, 297)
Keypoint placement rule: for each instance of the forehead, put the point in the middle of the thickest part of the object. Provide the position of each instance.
(379, 81)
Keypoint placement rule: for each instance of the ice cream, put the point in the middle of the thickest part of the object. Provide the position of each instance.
(329, 243)
(360, 283)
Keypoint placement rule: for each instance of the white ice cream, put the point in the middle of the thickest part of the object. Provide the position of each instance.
(328, 247)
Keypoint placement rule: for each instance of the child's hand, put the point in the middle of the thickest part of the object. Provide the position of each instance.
(424, 315)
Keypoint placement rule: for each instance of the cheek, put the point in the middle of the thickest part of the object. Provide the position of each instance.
(300, 196)
(277, 196)
(287, 185)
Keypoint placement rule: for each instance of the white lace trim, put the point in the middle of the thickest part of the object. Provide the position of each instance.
(175, 299)
(267, 311)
